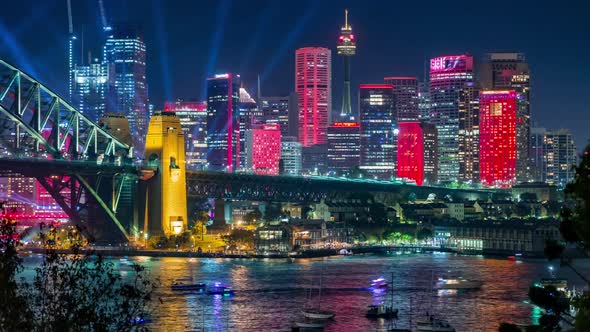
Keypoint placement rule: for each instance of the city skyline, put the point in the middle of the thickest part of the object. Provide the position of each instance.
(177, 66)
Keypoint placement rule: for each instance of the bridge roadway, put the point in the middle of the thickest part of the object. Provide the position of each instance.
(239, 186)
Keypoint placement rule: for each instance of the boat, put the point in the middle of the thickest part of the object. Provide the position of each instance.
(219, 289)
(431, 324)
(379, 283)
(345, 252)
(381, 311)
(311, 324)
(457, 283)
(386, 311)
(181, 286)
(317, 313)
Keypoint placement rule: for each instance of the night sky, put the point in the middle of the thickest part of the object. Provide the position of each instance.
(188, 40)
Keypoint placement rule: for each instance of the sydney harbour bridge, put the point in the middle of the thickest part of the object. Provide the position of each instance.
(93, 177)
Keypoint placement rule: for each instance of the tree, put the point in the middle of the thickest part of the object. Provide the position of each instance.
(240, 239)
(424, 234)
(253, 216)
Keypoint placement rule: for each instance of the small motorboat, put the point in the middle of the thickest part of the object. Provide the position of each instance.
(311, 324)
(379, 283)
(382, 311)
(431, 324)
(181, 286)
(457, 283)
(219, 289)
(318, 314)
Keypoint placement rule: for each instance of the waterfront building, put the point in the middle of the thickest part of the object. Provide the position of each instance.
(450, 76)
(346, 48)
(125, 55)
(263, 150)
(497, 138)
(343, 147)
(89, 89)
(313, 84)
(406, 91)
(193, 119)
(223, 123)
(290, 156)
(416, 152)
(543, 191)
(510, 71)
(559, 157)
(282, 110)
(378, 130)
(250, 116)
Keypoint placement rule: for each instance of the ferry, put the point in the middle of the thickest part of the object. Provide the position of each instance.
(457, 283)
(379, 283)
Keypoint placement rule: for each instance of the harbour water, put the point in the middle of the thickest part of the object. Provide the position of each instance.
(270, 293)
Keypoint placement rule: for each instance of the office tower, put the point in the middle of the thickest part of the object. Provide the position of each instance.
(193, 119)
(45, 205)
(537, 141)
(313, 84)
(314, 159)
(469, 133)
(125, 55)
(250, 116)
(74, 60)
(223, 123)
(264, 149)
(405, 89)
(117, 125)
(449, 76)
(430, 139)
(424, 101)
(378, 130)
(559, 157)
(90, 88)
(497, 140)
(344, 140)
(510, 71)
(290, 156)
(346, 48)
(283, 111)
(20, 195)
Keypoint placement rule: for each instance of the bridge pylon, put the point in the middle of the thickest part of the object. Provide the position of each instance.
(164, 194)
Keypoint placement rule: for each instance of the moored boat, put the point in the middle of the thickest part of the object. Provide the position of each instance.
(381, 311)
(431, 324)
(318, 314)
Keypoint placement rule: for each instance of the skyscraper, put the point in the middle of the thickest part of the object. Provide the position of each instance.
(282, 110)
(449, 77)
(223, 122)
(343, 146)
(347, 48)
(405, 89)
(497, 137)
(90, 88)
(559, 157)
(424, 101)
(290, 156)
(416, 152)
(264, 149)
(511, 71)
(125, 55)
(378, 130)
(193, 119)
(537, 164)
(250, 116)
(469, 133)
(313, 84)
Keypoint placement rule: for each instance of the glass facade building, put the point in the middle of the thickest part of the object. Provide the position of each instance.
(264, 149)
(405, 89)
(378, 130)
(449, 76)
(250, 116)
(223, 123)
(125, 55)
(343, 147)
(193, 119)
(497, 138)
(313, 84)
(90, 87)
(282, 110)
(290, 156)
(559, 157)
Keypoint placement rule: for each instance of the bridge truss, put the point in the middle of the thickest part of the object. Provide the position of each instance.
(79, 163)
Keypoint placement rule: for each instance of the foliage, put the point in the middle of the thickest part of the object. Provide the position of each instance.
(80, 292)
(424, 234)
(199, 231)
(272, 212)
(253, 216)
(240, 239)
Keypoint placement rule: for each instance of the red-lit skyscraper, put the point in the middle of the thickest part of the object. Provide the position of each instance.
(497, 137)
(263, 149)
(313, 84)
(416, 152)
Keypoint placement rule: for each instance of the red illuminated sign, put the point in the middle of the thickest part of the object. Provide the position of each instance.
(345, 124)
(455, 63)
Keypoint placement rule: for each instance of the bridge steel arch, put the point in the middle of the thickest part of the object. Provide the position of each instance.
(39, 130)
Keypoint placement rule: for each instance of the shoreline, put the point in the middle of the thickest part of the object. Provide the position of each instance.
(312, 253)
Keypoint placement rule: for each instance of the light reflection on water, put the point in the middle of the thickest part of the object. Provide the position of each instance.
(271, 293)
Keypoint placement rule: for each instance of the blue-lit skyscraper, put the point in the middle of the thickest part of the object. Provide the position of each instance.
(378, 130)
(90, 88)
(125, 56)
(223, 122)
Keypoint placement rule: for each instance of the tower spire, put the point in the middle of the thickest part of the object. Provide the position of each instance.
(346, 19)
(347, 48)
